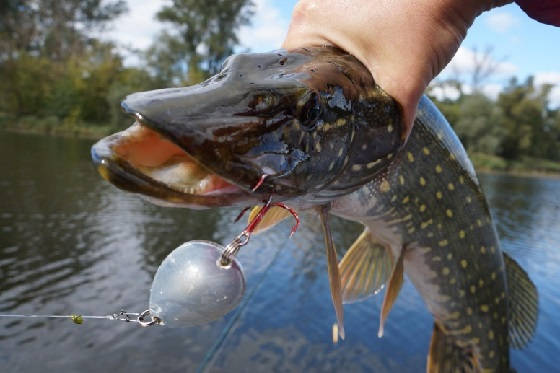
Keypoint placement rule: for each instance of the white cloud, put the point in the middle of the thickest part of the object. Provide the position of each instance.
(550, 77)
(465, 60)
(138, 28)
(267, 30)
(135, 29)
(445, 92)
(501, 21)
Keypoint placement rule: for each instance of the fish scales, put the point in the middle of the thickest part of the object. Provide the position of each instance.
(431, 203)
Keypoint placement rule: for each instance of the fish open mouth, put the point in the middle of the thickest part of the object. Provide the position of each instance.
(140, 160)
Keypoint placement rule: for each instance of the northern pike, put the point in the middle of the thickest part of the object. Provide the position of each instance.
(310, 128)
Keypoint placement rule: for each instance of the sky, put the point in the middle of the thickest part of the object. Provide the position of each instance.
(520, 45)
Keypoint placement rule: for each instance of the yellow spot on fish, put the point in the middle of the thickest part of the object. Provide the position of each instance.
(318, 147)
(390, 155)
(426, 150)
(461, 293)
(422, 207)
(453, 280)
(464, 263)
(469, 199)
(449, 256)
(491, 354)
(422, 181)
(461, 179)
(411, 230)
(454, 315)
(443, 243)
(473, 289)
(452, 156)
(445, 271)
(372, 164)
(503, 319)
(482, 250)
(439, 195)
(478, 222)
(430, 234)
(469, 311)
(410, 156)
(480, 283)
(450, 186)
(423, 225)
(492, 249)
(490, 334)
(405, 200)
(493, 275)
(497, 300)
(401, 179)
(461, 234)
(385, 187)
(484, 308)
(390, 128)
(340, 122)
(449, 213)
(394, 198)
(438, 169)
(356, 167)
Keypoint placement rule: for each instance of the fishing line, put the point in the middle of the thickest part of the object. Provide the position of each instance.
(198, 282)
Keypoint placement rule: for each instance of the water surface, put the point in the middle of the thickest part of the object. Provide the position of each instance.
(72, 243)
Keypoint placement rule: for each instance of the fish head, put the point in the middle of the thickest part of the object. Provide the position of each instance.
(274, 125)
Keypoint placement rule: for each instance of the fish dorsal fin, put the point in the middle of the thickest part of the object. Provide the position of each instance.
(272, 217)
(523, 303)
(446, 356)
(334, 276)
(392, 292)
(365, 268)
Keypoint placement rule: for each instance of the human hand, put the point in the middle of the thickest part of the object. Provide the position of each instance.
(403, 43)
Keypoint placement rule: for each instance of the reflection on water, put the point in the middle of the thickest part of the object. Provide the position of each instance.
(69, 242)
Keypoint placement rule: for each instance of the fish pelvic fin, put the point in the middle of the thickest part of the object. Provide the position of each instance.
(334, 276)
(365, 268)
(445, 356)
(272, 217)
(523, 304)
(392, 292)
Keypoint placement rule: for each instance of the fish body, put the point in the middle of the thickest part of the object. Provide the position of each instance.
(311, 128)
(428, 206)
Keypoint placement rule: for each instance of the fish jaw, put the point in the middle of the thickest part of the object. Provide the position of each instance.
(295, 124)
(141, 161)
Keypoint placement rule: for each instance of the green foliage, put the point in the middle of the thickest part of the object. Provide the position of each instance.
(516, 130)
(206, 33)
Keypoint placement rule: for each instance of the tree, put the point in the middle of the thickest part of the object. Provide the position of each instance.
(206, 35)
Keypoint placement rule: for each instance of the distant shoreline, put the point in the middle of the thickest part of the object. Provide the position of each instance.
(479, 160)
(75, 131)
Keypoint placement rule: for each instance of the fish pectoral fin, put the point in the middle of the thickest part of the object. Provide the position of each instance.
(523, 304)
(334, 276)
(365, 268)
(392, 292)
(272, 217)
(446, 356)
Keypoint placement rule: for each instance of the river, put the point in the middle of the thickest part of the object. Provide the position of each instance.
(72, 243)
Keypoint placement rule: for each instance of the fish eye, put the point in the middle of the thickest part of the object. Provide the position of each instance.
(310, 112)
